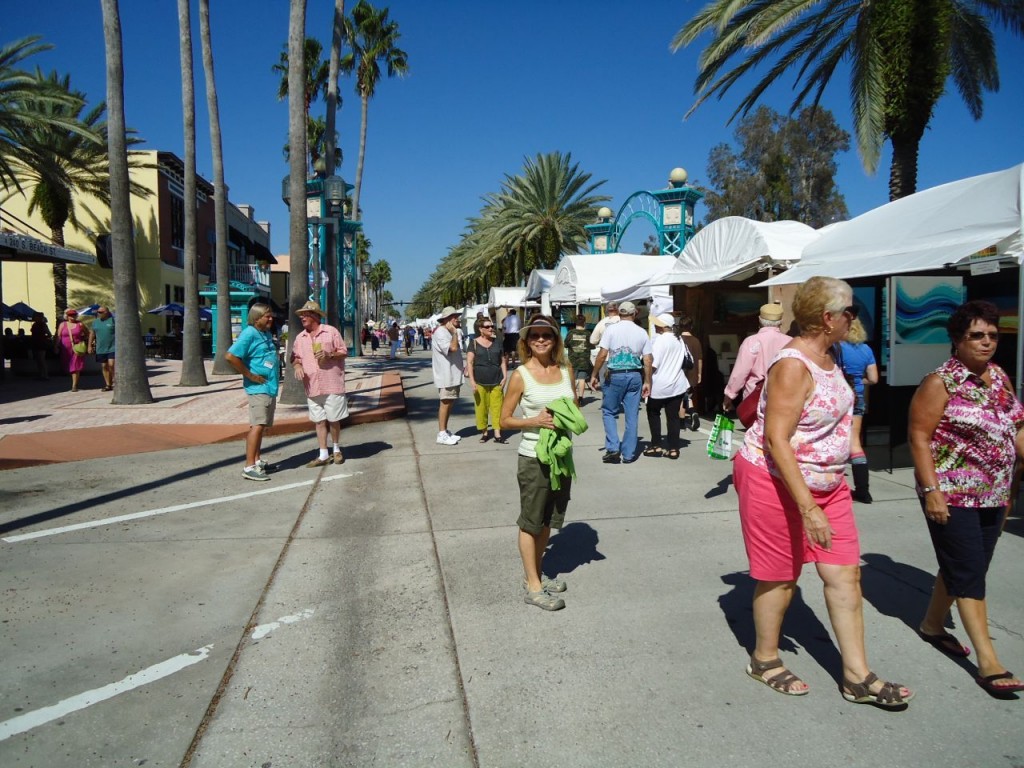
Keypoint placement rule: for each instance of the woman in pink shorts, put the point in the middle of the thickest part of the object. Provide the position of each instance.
(795, 505)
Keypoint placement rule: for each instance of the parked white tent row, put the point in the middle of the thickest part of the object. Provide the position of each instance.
(579, 278)
(507, 297)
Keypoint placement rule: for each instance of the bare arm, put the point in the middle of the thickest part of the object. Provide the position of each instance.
(789, 385)
(871, 374)
(645, 390)
(926, 411)
(238, 365)
(470, 357)
(602, 355)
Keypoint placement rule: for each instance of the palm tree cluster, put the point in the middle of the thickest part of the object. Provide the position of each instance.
(535, 218)
(900, 54)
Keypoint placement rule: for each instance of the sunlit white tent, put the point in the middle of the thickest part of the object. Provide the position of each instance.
(931, 229)
(737, 248)
(540, 280)
(506, 297)
(579, 278)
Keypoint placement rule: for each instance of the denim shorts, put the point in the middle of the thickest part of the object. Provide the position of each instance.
(964, 548)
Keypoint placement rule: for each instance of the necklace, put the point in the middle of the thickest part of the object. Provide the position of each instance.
(807, 345)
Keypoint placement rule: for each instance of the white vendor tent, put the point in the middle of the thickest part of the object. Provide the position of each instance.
(508, 297)
(931, 229)
(538, 282)
(580, 277)
(735, 247)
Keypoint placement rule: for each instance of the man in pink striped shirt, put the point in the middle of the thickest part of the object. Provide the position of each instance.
(318, 360)
(756, 354)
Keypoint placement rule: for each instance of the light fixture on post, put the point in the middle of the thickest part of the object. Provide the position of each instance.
(286, 192)
(334, 194)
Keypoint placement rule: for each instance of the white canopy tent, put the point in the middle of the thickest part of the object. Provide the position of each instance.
(506, 297)
(735, 247)
(538, 288)
(579, 278)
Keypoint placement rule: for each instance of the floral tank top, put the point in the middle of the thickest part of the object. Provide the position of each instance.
(973, 445)
(821, 442)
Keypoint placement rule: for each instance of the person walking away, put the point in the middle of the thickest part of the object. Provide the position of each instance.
(448, 369)
(487, 367)
(542, 378)
(795, 506)
(394, 339)
(42, 340)
(858, 361)
(689, 411)
(966, 428)
(318, 361)
(611, 316)
(668, 385)
(626, 348)
(70, 342)
(254, 356)
(510, 333)
(101, 344)
(579, 349)
(755, 355)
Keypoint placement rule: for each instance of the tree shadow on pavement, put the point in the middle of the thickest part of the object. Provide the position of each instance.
(569, 548)
(800, 629)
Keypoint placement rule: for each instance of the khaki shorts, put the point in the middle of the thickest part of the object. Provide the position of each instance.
(261, 410)
(539, 506)
(450, 393)
(327, 408)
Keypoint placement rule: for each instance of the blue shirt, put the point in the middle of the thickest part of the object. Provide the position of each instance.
(257, 351)
(104, 331)
(856, 359)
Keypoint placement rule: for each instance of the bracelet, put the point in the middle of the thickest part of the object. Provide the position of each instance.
(927, 489)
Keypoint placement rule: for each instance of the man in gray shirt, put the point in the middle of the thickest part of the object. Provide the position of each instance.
(448, 369)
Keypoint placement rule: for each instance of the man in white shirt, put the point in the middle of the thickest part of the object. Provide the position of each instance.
(627, 349)
(510, 330)
(448, 369)
(611, 316)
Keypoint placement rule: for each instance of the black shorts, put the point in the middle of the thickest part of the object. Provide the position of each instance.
(964, 547)
(508, 344)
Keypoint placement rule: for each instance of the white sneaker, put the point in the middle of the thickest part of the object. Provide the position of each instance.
(456, 438)
(447, 438)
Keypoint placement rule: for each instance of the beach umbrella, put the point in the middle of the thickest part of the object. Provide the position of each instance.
(18, 311)
(167, 310)
(89, 311)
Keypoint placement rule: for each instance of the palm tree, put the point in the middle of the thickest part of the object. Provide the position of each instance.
(220, 196)
(333, 67)
(131, 385)
(379, 276)
(372, 38)
(314, 86)
(64, 155)
(292, 391)
(900, 54)
(193, 373)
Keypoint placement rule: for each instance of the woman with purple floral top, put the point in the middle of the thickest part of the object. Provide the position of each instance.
(966, 427)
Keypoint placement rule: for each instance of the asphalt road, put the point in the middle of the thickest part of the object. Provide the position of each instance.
(159, 610)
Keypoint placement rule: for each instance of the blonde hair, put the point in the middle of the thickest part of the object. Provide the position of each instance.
(257, 312)
(857, 334)
(816, 297)
(546, 322)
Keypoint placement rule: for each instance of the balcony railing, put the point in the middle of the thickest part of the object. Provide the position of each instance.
(251, 274)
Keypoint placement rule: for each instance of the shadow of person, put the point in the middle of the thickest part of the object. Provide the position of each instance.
(902, 591)
(721, 488)
(569, 548)
(800, 628)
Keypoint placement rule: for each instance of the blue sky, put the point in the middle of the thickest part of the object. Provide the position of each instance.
(490, 83)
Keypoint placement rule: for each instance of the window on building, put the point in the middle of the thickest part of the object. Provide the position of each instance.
(177, 221)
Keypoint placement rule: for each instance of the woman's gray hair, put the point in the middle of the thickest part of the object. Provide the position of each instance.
(257, 311)
(765, 323)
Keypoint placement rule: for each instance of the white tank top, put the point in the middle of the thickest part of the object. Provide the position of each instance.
(536, 397)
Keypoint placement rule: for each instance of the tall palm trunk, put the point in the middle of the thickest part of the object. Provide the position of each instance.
(131, 385)
(60, 276)
(364, 98)
(903, 168)
(337, 280)
(193, 373)
(292, 391)
(220, 197)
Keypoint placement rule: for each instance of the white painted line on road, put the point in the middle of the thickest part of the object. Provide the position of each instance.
(262, 630)
(31, 720)
(165, 510)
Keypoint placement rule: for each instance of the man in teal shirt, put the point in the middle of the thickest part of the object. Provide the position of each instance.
(101, 342)
(254, 355)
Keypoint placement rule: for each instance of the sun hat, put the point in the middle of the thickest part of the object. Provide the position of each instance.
(449, 311)
(310, 306)
(627, 308)
(540, 322)
(664, 320)
(71, 313)
(771, 311)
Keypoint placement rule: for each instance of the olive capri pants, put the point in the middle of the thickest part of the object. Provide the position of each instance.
(487, 401)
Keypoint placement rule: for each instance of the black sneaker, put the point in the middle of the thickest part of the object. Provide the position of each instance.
(694, 422)
(612, 457)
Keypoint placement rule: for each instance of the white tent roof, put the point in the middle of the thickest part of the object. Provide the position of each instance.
(927, 230)
(540, 280)
(579, 277)
(734, 245)
(506, 297)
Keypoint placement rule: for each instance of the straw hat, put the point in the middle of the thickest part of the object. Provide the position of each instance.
(311, 307)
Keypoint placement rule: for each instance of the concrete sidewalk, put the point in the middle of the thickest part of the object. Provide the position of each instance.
(42, 422)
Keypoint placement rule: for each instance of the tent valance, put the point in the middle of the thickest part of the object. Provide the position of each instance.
(580, 277)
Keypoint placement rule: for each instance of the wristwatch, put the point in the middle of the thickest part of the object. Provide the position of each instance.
(927, 489)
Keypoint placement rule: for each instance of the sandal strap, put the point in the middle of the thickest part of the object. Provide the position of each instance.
(782, 681)
(889, 693)
(760, 667)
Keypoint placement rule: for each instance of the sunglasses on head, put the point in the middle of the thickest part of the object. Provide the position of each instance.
(979, 335)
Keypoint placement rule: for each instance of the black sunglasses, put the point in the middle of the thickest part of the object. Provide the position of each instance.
(853, 310)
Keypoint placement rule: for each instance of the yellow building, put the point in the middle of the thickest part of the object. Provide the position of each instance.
(159, 224)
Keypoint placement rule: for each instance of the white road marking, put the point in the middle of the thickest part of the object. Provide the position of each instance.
(262, 630)
(31, 720)
(165, 510)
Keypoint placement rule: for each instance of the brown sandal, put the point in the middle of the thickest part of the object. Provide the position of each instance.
(888, 696)
(783, 682)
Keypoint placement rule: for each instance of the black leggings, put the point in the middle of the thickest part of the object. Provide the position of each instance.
(671, 406)
(964, 547)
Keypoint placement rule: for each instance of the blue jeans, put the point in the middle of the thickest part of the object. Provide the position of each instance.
(621, 395)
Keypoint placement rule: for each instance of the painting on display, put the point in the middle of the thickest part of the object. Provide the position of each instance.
(736, 306)
(920, 308)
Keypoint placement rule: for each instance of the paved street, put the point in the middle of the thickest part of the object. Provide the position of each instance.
(160, 611)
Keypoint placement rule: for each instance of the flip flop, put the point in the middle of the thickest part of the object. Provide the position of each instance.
(988, 684)
(946, 643)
